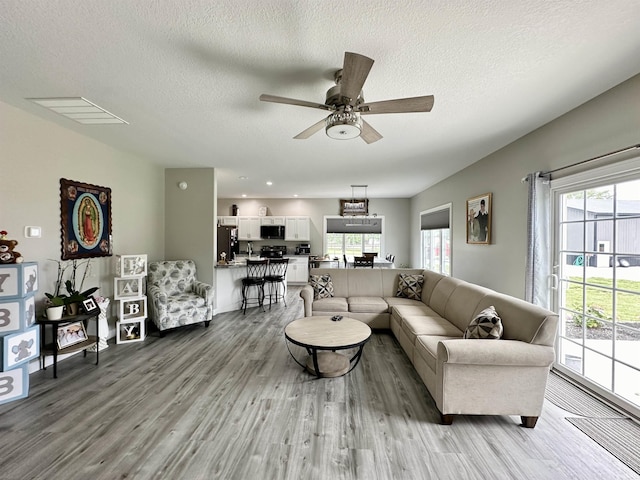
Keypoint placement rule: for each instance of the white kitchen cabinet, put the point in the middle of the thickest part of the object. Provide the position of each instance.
(298, 270)
(248, 228)
(271, 220)
(297, 229)
(228, 221)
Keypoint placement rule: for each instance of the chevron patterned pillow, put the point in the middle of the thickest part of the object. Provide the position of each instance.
(486, 325)
(322, 286)
(410, 286)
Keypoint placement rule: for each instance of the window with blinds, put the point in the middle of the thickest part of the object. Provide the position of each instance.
(435, 239)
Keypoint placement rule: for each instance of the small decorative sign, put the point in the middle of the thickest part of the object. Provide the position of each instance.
(89, 305)
(354, 207)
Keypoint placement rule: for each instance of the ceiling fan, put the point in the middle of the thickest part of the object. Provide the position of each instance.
(346, 102)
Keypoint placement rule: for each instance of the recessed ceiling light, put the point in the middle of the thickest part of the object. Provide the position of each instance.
(295, 195)
(269, 182)
(244, 195)
(79, 109)
(243, 177)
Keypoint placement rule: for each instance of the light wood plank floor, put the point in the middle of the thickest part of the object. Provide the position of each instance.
(228, 402)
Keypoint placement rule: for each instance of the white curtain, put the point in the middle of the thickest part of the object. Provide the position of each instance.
(539, 251)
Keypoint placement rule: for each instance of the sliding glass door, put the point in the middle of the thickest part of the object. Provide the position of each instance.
(597, 236)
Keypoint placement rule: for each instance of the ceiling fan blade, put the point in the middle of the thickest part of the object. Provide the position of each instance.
(354, 73)
(400, 105)
(291, 101)
(369, 134)
(311, 130)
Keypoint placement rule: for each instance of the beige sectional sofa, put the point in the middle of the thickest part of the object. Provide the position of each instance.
(464, 376)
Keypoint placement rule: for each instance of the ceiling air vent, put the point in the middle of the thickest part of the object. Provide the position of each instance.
(79, 109)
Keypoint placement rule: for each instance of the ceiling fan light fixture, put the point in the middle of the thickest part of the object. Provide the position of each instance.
(343, 125)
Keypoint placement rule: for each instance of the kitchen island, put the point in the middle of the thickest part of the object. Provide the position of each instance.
(229, 280)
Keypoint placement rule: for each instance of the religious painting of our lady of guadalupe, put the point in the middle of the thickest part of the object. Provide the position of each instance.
(85, 220)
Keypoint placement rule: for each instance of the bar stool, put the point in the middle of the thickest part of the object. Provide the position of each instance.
(256, 271)
(276, 276)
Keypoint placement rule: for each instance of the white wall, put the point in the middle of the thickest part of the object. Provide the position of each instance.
(35, 154)
(395, 211)
(609, 122)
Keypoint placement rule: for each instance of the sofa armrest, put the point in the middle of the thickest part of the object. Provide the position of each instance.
(307, 295)
(494, 352)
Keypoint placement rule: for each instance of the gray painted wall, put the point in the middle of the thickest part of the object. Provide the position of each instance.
(190, 218)
(608, 122)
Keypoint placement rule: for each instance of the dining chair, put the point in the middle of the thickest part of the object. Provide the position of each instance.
(370, 254)
(363, 262)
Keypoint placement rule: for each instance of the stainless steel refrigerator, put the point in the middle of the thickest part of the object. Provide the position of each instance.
(228, 242)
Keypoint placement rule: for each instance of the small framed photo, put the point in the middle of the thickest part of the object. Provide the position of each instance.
(89, 305)
(479, 219)
(127, 288)
(70, 334)
(131, 265)
(132, 309)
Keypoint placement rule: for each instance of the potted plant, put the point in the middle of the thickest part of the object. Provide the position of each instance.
(74, 295)
(55, 306)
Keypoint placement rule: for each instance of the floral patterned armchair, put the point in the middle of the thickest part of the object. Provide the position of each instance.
(176, 297)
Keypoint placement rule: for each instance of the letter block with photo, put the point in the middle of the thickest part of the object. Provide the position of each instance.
(129, 290)
(131, 265)
(133, 309)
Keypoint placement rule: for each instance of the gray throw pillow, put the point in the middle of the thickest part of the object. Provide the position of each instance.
(486, 325)
(410, 286)
(322, 286)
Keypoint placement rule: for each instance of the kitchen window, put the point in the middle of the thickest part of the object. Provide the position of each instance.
(353, 235)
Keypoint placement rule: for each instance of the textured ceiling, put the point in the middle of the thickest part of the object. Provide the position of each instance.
(187, 74)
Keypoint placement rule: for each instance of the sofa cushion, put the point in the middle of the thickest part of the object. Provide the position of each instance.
(423, 325)
(367, 305)
(486, 325)
(331, 304)
(401, 301)
(322, 286)
(410, 286)
(414, 308)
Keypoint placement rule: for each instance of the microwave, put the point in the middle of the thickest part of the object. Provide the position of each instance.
(272, 232)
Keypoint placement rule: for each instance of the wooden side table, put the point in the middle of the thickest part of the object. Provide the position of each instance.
(55, 350)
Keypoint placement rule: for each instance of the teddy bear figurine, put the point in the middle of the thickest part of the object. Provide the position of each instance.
(7, 252)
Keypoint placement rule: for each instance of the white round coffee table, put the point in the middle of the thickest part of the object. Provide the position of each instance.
(323, 337)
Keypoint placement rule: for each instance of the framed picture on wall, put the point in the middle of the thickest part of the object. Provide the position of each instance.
(85, 216)
(479, 219)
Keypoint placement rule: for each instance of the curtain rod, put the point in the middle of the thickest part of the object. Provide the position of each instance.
(599, 157)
